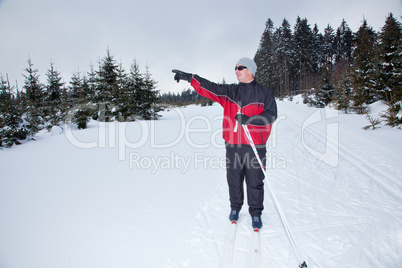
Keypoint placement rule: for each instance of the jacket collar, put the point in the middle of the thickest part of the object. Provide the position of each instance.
(252, 83)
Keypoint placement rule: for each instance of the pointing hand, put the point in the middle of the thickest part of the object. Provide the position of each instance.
(179, 75)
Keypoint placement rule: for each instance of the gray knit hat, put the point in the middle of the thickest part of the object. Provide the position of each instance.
(249, 63)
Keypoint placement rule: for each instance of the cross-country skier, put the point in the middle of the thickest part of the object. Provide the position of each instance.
(252, 104)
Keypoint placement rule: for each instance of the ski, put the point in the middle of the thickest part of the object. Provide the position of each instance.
(230, 247)
(256, 253)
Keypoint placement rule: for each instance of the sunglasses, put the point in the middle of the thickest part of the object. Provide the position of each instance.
(240, 68)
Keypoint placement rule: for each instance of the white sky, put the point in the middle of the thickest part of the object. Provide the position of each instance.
(206, 37)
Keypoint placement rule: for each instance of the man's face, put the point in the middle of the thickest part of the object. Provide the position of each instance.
(243, 74)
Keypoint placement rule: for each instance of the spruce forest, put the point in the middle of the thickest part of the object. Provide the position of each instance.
(345, 69)
(106, 93)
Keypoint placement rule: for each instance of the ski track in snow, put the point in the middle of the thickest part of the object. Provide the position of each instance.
(72, 207)
(350, 202)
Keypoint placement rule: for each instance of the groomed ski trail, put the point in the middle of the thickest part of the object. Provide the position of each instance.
(75, 207)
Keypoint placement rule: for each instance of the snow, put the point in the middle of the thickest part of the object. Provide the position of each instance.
(56, 130)
(154, 194)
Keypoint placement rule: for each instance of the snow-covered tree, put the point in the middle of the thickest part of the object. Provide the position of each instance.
(304, 42)
(12, 128)
(126, 106)
(285, 58)
(365, 65)
(34, 94)
(108, 86)
(52, 97)
(343, 43)
(390, 69)
(264, 56)
(148, 99)
(324, 94)
(91, 84)
(76, 88)
(328, 47)
(390, 60)
(343, 85)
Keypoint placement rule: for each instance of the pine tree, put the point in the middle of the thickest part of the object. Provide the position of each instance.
(343, 85)
(76, 88)
(108, 86)
(323, 95)
(148, 98)
(12, 128)
(328, 47)
(81, 116)
(121, 82)
(91, 85)
(132, 97)
(4, 101)
(82, 110)
(52, 97)
(316, 56)
(365, 64)
(120, 99)
(34, 95)
(390, 60)
(264, 56)
(124, 108)
(304, 41)
(390, 69)
(285, 56)
(343, 43)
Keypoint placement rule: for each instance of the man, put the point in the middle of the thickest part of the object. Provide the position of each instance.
(246, 103)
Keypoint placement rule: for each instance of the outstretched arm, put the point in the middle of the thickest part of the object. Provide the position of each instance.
(204, 87)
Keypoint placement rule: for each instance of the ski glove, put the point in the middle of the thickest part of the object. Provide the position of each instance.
(242, 119)
(179, 75)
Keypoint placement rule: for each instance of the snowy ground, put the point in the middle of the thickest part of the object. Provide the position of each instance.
(154, 194)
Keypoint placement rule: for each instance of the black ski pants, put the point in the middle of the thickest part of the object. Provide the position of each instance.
(242, 164)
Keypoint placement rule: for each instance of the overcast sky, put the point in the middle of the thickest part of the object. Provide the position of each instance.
(200, 36)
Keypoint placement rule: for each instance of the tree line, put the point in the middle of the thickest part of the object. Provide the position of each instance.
(105, 93)
(186, 97)
(338, 67)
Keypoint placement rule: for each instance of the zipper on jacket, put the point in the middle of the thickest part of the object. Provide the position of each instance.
(236, 127)
(241, 111)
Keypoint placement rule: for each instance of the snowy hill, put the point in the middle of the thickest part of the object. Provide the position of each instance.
(154, 194)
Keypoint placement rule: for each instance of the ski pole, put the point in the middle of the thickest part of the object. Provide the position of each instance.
(278, 207)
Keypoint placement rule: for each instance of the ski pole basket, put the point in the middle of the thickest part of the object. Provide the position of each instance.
(303, 265)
